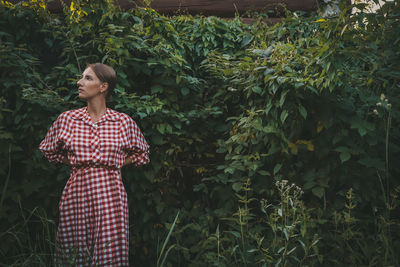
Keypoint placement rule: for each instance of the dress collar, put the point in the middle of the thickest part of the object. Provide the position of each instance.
(83, 114)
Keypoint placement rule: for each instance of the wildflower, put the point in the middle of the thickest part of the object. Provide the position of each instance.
(389, 105)
(382, 96)
(320, 126)
(320, 20)
(378, 104)
(350, 196)
(7, 4)
(375, 112)
(264, 205)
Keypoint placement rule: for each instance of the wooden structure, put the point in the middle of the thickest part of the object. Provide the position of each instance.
(225, 8)
(221, 8)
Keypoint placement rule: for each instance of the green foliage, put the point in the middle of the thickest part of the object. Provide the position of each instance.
(229, 110)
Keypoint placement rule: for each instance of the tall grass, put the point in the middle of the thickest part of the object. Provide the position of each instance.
(285, 231)
(280, 232)
(30, 242)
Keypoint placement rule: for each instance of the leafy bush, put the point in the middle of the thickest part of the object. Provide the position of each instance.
(230, 111)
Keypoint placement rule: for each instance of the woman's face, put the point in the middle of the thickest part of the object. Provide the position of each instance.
(89, 86)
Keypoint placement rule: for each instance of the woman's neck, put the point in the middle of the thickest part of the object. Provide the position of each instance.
(96, 108)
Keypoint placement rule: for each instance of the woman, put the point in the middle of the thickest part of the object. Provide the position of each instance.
(96, 142)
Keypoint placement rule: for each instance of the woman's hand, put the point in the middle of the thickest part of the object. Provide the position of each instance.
(128, 160)
(65, 161)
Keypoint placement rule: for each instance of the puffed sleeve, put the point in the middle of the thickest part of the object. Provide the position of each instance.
(53, 145)
(135, 145)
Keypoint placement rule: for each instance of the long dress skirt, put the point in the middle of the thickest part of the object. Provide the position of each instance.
(93, 226)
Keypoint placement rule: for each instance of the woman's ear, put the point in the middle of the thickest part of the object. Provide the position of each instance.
(104, 87)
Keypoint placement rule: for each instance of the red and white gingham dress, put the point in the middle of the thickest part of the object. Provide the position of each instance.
(93, 225)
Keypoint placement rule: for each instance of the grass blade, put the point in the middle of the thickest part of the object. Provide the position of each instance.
(166, 241)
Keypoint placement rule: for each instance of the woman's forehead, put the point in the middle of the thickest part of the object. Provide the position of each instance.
(88, 71)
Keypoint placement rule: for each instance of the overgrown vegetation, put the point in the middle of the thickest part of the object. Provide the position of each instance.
(276, 145)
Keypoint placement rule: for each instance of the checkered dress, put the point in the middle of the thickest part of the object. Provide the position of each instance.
(93, 225)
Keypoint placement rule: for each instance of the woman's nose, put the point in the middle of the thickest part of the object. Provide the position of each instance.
(79, 82)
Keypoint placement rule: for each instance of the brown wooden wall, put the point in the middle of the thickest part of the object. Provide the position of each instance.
(221, 8)
(228, 8)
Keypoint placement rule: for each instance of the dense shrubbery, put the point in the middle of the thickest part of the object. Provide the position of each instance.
(235, 115)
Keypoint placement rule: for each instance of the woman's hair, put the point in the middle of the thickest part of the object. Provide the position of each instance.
(106, 74)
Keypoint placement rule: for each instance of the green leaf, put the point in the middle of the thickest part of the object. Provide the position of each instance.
(234, 233)
(284, 115)
(362, 131)
(229, 170)
(185, 91)
(161, 128)
(280, 212)
(257, 89)
(372, 162)
(302, 245)
(292, 250)
(160, 207)
(283, 97)
(156, 89)
(169, 129)
(342, 149)
(285, 232)
(237, 186)
(277, 168)
(303, 111)
(167, 239)
(264, 173)
(268, 72)
(246, 40)
(318, 191)
(344, 156)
